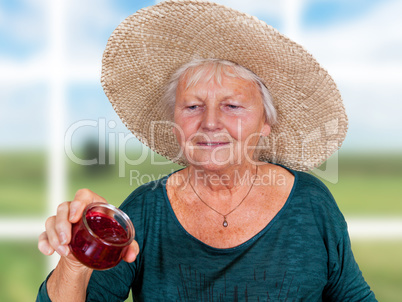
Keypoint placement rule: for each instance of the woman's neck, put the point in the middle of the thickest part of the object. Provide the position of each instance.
(233, 178)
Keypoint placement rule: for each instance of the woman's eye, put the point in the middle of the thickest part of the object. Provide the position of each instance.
(193, 107)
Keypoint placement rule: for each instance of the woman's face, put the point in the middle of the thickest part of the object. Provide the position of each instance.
(218, 126)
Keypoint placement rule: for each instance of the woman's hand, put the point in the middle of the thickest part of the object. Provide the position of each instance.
(69, 280)
(58, 228)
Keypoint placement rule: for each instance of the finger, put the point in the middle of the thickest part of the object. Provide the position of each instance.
(51, 232)
(62, 224)
(53, 237)
(132, 252)
(44, 246)
(82, 198)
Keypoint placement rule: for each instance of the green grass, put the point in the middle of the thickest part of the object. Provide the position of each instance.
(368, 195)
(381, 264)
(22, 271)
(369, 184)
(23, 183)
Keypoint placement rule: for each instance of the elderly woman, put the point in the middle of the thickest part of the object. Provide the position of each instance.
(240, 222)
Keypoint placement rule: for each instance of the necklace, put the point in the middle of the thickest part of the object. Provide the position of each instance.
(225, 222)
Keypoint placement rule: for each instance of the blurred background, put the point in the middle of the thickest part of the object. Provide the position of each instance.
(58, 132)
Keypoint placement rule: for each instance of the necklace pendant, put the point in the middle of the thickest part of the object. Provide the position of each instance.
(225, 223)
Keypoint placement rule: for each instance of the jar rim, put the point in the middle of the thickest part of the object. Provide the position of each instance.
(124, 216)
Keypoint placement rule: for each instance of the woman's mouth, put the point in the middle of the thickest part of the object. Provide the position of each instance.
(212, 144)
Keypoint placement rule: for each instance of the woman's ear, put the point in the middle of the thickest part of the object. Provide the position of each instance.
(266, 130)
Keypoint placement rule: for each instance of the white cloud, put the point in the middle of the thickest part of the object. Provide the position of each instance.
(23, 113)
(88, 23)
(372, 40)
(25, 24)
(365, 57)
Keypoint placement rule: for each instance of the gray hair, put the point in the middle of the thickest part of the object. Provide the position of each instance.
(218, 67)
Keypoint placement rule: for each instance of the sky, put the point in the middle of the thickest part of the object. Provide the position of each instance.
(359, 43)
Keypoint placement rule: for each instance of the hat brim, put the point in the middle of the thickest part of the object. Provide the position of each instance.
(147, 47)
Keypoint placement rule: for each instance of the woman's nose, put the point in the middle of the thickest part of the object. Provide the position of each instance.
(211, 119)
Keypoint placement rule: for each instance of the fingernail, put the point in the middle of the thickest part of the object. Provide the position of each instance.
(62, 250)
(63, 238)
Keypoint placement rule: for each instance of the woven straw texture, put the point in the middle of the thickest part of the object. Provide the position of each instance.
(147, 47)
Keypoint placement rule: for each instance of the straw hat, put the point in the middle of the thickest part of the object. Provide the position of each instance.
(148, 46)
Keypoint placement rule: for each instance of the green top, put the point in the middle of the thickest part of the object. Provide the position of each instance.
(303, 254)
